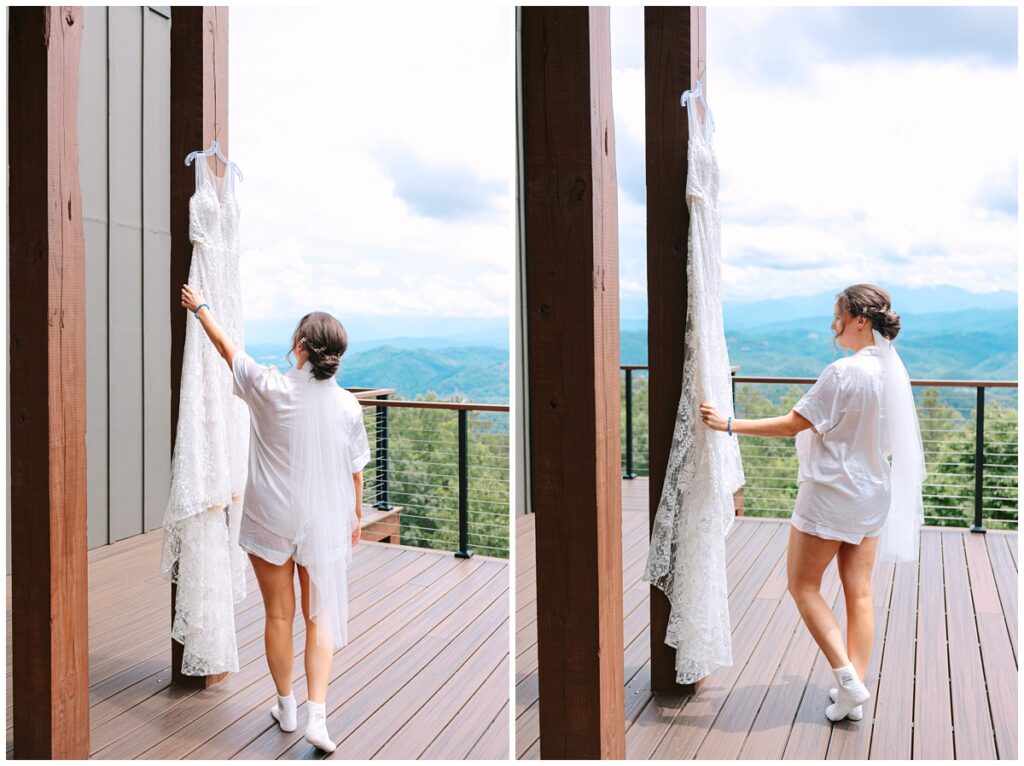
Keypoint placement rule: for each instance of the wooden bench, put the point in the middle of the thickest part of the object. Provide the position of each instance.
(382, 526)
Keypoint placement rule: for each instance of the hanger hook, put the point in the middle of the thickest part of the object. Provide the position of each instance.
(696, 91)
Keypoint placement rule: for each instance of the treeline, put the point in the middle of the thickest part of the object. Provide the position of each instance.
(947, 418)
(423, 472)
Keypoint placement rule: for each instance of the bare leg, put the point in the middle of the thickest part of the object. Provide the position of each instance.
(318, 658)
(856, 564)
(277, 584)
(806, 559)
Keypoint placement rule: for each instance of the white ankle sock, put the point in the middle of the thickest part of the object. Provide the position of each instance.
(285, 712)
(850, 693)
(854, 715)
(316, 727)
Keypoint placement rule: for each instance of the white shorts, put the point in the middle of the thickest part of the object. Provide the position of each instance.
(827, 533)
(273, 548)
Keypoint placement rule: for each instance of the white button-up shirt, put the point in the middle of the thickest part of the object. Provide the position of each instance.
(271, 396)
(844, 488)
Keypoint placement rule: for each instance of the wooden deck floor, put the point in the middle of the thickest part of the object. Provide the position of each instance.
(943, 674)
(425, 673)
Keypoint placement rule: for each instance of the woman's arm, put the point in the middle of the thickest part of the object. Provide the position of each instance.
(782, 425)
(189, 300)
(357, 479)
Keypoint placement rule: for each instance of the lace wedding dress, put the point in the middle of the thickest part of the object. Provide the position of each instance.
(209, 464)
(687, 555)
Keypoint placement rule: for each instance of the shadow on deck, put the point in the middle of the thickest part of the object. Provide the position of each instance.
(943, 674)
(425, 673)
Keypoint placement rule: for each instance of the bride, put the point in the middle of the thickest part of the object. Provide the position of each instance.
(301, 508)
(850, 502)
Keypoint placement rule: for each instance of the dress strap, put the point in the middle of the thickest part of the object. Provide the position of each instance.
(691, 98)
(199, 171)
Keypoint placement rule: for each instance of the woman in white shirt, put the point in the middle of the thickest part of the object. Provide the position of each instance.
(844, 487)
(302, 503)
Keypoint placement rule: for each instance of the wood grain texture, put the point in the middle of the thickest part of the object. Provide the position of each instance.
(933, 732)
(671, 46)
(572, 320)
(770, 705)
(425, 673)
(47, 386)
(199, 113)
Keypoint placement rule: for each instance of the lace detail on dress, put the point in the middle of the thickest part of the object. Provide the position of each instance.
(687, 554)
(208, 468)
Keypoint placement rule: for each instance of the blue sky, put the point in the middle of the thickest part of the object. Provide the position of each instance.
(377, 163)
(865, 144)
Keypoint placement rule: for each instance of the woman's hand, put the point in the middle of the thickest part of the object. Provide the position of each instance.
(356, 533)
(190, 298)
(712, 417)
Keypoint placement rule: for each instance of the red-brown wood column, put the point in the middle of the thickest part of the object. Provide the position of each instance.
(572, 283)
(673, 44)
(199, 113)
(49, 562)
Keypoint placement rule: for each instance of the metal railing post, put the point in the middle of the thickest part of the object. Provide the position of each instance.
(629, 426)
(979, 460)
(463, 552)
(383, 468)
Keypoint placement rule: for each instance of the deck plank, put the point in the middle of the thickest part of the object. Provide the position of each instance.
(996, 652)
(770, 704)
(972, 721)
(493, 743)
(1005, 574)
(933, 721)
(852, 740)
(399, 597)
(170, 710)
(892, 735)
(494, 737)
(769, 733)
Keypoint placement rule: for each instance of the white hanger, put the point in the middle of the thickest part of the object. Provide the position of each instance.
(698, 92)
(214, 149)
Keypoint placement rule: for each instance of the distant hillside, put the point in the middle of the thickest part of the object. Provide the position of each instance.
(969, 344)
(366, 332)
(906, 300)
(478, 373)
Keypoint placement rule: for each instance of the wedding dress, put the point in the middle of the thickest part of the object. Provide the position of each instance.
(208, 468)
(687, 555)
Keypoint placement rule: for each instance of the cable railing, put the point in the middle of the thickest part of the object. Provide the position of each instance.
(968, 428)
(439, 471)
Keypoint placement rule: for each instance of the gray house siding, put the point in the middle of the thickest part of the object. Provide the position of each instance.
(124, 136)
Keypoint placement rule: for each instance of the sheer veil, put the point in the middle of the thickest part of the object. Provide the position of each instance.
(319, 464)
(900, 534)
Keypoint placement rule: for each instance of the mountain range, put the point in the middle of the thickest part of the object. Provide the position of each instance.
(475, 373)
(969, 343)
(946, 333)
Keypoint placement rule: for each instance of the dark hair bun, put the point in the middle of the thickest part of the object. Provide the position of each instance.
(324, 365)
(325, 341)
(887, 322)
(873, 302)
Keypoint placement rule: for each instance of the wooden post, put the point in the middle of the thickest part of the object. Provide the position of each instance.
(673, 56)
(46, 264)
(199, 113)
(573, 346)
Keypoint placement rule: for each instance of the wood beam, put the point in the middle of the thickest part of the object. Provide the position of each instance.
(199, 113)
(673, 56)
(572, 284)
(46, 262)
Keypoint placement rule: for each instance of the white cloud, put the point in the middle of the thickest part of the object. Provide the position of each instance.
(318, 97)
(897, 169)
